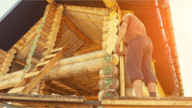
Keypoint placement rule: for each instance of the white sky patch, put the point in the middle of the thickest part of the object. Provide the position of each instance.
(182, 21)
(5, 5)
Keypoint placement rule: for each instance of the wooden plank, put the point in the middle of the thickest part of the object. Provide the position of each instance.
(43, 63)
(61, 89)
(148, 102)
(19, 61)
(16, 90)
(41, 98)
(66, 39)
(50, 56)
(78, 44)
(94, 12)
(44, 71)
(76, 30)
(73, 86)
(56, 50)
(81, 85)
(31, 74)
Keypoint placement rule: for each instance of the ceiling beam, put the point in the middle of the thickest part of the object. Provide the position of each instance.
(88, 49)
(76, 30)
(71, 85)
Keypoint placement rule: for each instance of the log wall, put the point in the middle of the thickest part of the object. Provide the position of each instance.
(5, 60)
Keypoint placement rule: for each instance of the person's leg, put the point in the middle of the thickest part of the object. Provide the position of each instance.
(138, 86)
(152, 89)
(149, 76)
(133, 64)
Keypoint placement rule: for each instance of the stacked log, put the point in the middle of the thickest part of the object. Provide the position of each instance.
(5, 60)
(109, 82)
(44, 29)
(56, 20)
(66, 68)
(54, 30)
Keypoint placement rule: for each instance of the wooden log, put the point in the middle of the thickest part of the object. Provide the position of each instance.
(3, 52)
(113, 15)
(112, 31)
(107, 94)
(64, 71)
(111, 48)
(2, 56)
(112, 39)
(9, 57)
(9, 83)
(105, 36)
(113, 23)
(82, 68)
(82, 58)
(109, 70)
(113, 59)
(5, 69)
(1, 61)
(109, 82)
(6, 64)
(104, 45)
(12, 51)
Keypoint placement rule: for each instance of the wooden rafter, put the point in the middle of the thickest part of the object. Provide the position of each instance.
(76, 30)
(89, 48)
(61, 89)
(71, 85)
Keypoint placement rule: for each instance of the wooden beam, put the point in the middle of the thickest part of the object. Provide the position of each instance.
(89, 48)
(61, 89)
(149, 102)
(81, 85)
(19, 61)
(73, 86)
(76, 30)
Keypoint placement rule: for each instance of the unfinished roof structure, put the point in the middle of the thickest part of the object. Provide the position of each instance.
(65, 48)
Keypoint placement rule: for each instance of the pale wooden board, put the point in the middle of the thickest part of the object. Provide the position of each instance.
(95, 11)
(66, 34)
(94, 30)
(81, 15)
(94, 37)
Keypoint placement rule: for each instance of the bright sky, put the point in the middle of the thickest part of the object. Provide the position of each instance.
(181, 11)
(5, 5)
(182, 21)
